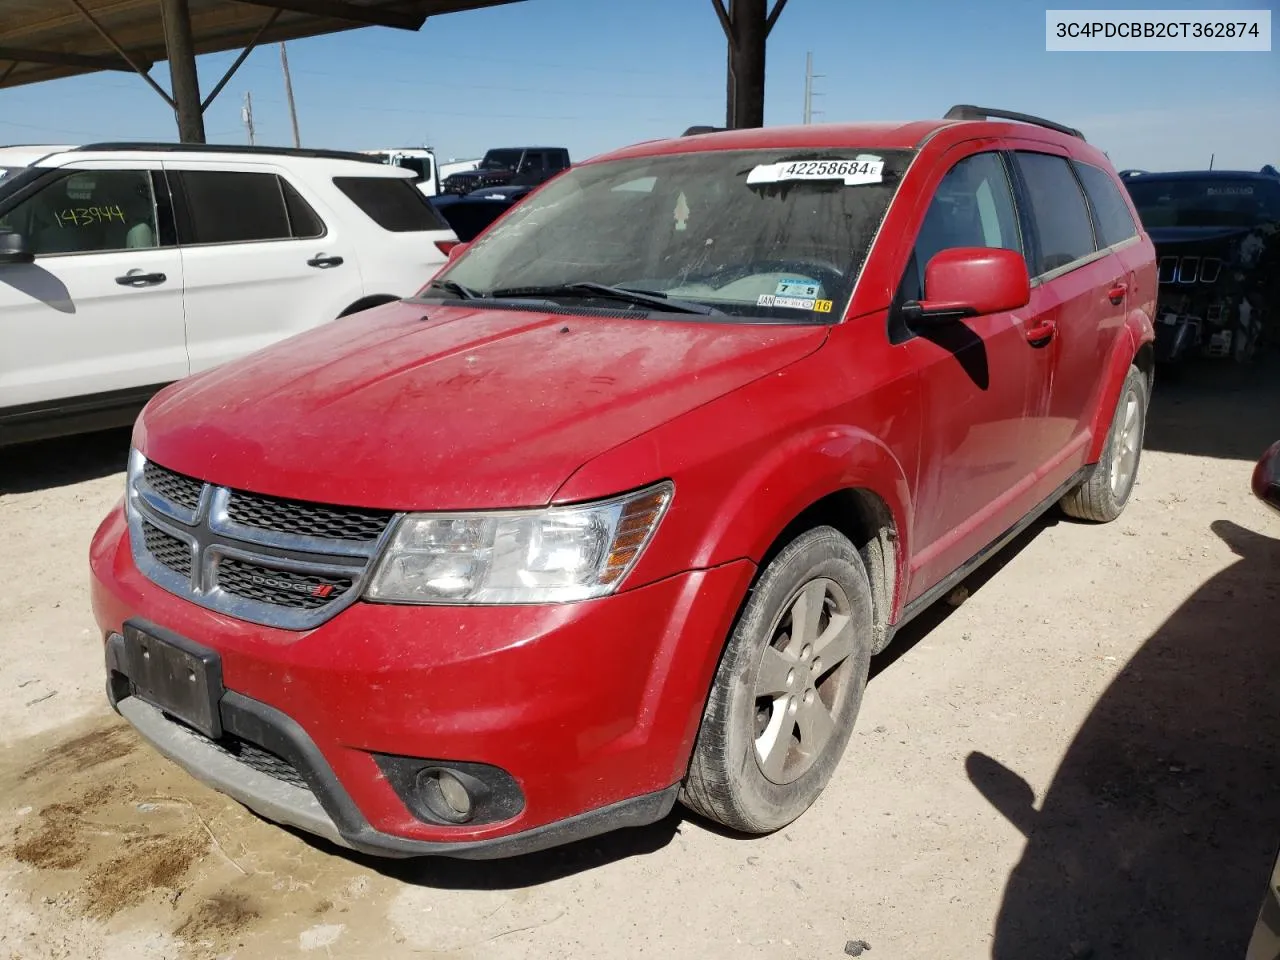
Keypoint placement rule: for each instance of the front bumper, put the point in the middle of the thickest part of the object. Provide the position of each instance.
(591, 707)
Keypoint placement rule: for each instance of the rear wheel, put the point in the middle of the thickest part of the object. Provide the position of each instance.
(788, 688)
(1105, 492)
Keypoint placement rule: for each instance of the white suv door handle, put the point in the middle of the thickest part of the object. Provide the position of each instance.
(136, 278)
(324, 262)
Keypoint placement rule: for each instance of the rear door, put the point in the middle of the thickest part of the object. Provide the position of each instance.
(263, 259)
(99, 312)
(1078, 289)
(983, 383)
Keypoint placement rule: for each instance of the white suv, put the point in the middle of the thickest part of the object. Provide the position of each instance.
(124, 267)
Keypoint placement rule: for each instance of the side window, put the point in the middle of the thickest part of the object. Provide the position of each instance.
(233, 207)
(392, 203)
(304, 222)
(532, 162)
(558, 160)
(1058, 208)
(89, 211)
(1111, 214)
(973, 207)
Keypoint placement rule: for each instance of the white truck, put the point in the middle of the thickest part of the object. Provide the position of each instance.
(428, 171)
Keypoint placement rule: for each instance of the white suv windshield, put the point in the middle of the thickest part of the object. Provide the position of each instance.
(765, 235)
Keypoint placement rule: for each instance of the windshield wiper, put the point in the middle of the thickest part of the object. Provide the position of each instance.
(646, 298)
(457, 289)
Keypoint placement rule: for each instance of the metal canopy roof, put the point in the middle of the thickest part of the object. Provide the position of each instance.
(46, 39)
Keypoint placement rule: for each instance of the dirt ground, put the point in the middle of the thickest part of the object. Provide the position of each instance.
(1078, 760)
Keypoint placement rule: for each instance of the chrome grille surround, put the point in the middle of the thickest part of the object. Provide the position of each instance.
(213, 537)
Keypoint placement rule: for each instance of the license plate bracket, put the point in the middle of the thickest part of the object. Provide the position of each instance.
(177, 675)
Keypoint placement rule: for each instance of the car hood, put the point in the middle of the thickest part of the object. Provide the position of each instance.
(422, 406)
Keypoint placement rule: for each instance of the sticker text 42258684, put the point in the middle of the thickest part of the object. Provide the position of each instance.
(863, 169)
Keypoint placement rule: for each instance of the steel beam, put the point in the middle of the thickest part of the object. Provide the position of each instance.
(61, 59)
(338, 10)
(180, 51)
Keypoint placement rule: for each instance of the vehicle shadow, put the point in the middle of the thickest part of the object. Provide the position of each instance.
(28, 467)
(1190, 405)
(1157, 835)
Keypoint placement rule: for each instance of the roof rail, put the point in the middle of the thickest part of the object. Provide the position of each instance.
(232, 148)
(967, 111)
(695, 131)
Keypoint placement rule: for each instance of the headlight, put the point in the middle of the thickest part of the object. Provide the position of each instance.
(552, 555)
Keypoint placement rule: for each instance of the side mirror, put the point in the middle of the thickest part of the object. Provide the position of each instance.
(1266, 478)
(456, 251)
(968, 282)
(14, 248)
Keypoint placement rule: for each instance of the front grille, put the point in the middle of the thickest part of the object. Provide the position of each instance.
(264, 761)
(171, 486)
(250, 754)
(167, 549)
(277, 562)
(306, 519)
(1187, 270)
(284, 588)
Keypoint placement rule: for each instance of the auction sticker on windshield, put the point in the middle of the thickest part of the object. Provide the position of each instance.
(862, 169)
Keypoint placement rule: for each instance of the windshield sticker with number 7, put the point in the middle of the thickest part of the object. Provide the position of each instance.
(862, 169)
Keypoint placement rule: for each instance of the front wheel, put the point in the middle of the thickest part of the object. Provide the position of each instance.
(788, 688)
(1103, 495)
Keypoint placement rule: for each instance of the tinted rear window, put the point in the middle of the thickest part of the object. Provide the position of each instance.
(1111, 216)
(234, 207)
(394, 204)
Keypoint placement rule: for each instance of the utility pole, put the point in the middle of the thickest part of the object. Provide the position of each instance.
(288, 90)
(246, 114)
(809, 93)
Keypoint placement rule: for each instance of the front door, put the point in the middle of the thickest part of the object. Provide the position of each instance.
(984, 383)
(100, 310)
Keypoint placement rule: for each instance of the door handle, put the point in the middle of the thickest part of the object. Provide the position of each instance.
(1041, 333)
(1117, 292)
(324, 262)
(141, 279)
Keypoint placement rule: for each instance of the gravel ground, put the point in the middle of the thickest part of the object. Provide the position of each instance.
(1078, 760)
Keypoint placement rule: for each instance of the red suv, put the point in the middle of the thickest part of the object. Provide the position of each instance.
(615, 511)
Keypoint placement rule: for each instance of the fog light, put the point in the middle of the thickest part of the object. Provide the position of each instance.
(445, 795)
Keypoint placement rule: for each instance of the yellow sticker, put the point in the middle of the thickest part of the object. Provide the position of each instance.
(822, 306)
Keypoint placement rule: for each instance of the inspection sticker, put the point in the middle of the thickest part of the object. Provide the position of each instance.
(865, 168)
(791, 303)
(807, 289)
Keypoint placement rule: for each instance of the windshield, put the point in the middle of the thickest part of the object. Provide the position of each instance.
(1211, 202)
(6, 171)
(500, 160)
(763, 235)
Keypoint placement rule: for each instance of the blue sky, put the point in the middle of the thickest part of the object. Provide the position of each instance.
(597, 74)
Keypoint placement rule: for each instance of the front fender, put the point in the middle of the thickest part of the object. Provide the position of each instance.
(734, 498)
(778, 487)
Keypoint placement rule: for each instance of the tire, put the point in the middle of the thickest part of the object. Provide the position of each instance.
(750, 711)
(1103, 494)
